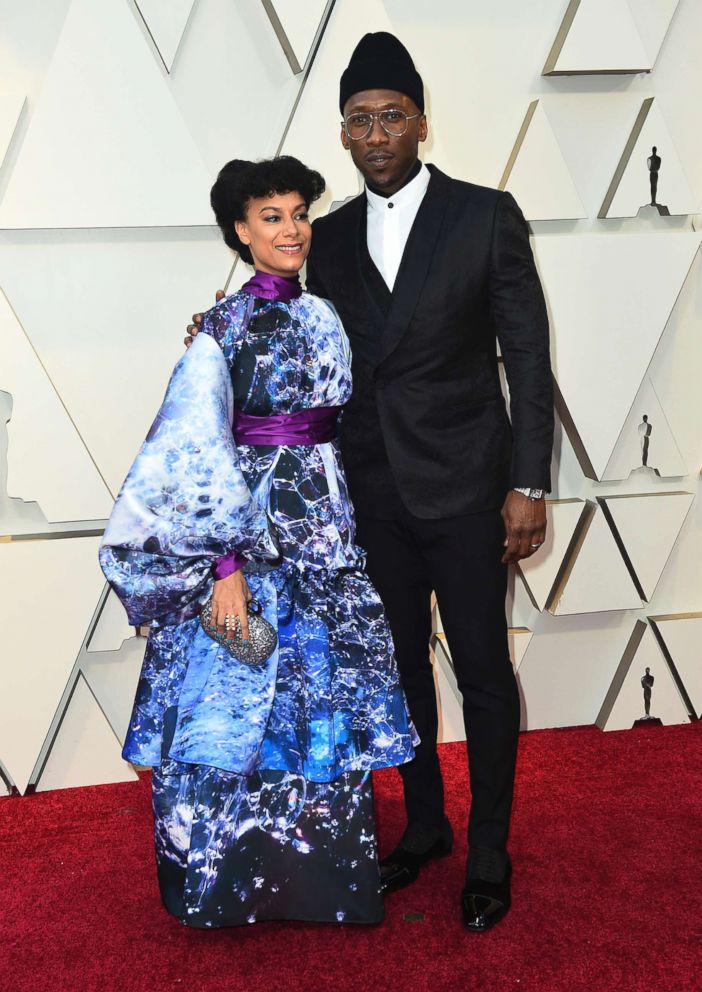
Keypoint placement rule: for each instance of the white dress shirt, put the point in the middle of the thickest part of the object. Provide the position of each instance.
(390, 220)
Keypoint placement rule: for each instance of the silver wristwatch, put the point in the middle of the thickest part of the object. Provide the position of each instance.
(531, 493)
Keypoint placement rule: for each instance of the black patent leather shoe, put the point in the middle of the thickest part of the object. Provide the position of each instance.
(484, 903)
(419, 845)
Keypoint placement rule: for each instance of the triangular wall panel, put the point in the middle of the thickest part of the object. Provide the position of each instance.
(519, 640)
(340, 203)
(609, 298)
(113, 677)
(681, 637)
(566, 671)
(111, 629)
(59, 474)
(646, 444)
(630, 189)
(233, 86)
(101, 345)
(296, 27)
(6, 783)
(541, 571)
(596, 577)
(609, 36)
(317, 114)
(16, 516)
(625, 704)
(647, 528)
(652, 19)
(537, 175)
(166, 21)
(31, 572)
(115, 153)
(11, 106)
(85, 750)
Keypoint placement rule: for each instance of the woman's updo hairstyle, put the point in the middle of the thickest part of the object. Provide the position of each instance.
(241, 181)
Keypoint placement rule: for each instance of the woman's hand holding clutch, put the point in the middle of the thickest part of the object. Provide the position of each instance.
(229, 602)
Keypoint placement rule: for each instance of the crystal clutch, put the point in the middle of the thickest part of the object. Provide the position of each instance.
(262, 636)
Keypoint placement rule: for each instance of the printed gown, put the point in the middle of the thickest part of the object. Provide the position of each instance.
(261, 775)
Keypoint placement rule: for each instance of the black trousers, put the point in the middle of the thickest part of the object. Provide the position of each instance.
(458, 558)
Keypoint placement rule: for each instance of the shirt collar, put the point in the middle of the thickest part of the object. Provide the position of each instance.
(273, 287)
(412, 193)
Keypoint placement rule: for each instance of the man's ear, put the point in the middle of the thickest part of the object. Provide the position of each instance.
(242, 231)
(344, 139)
(423, 129)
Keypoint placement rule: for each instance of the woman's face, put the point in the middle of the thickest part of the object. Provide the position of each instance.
(278, 231)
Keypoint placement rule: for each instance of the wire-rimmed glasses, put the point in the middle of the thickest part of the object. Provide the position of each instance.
(393, 122)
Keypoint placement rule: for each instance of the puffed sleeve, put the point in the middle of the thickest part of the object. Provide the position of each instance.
(185, 502)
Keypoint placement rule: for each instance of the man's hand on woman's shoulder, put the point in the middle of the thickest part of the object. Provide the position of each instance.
(194, 328)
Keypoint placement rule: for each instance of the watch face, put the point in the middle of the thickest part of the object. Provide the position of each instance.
(535, 493)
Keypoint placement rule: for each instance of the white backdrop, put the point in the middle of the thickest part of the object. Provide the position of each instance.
(115, 116)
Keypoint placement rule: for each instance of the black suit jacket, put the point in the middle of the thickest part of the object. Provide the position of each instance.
(427, 421)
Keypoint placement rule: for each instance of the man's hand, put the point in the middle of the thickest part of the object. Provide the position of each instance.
(230, 599)
(525, 526)
(197, 320)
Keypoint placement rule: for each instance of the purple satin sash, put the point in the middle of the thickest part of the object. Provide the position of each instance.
(315, 426)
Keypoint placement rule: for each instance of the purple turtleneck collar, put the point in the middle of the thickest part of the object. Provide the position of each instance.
(272, 287)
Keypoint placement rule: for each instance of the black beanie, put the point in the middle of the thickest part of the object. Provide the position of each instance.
(381, 62)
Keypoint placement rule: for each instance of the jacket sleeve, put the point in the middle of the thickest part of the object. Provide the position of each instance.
(519, 315)
(185, 501)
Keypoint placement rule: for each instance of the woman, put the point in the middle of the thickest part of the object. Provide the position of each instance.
(261, 773)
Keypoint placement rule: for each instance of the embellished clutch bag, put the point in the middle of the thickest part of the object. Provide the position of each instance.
(262, 635)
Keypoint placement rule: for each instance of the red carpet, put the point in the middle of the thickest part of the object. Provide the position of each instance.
(607, 846)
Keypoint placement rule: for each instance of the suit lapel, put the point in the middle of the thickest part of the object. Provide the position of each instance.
(375, 286)
(415, 263)
(353, 279)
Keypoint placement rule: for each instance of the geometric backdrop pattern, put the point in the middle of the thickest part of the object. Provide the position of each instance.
(543, 574)
(166, 21)
(11, 107)
(537, 174)
(642, 664)
(680, 637)
(626, 195)
(646, 529)
(115, 116)
(120, 158)
(609, 36)
(614, 292)
(646, 444)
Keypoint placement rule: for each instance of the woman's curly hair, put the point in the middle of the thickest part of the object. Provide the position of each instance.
(241, 181)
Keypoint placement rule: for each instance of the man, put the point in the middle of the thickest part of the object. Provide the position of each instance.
(424, 270)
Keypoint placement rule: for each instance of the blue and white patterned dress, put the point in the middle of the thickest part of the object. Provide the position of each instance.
(261, 775)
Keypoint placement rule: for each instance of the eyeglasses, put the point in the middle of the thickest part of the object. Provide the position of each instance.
(393, 122)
